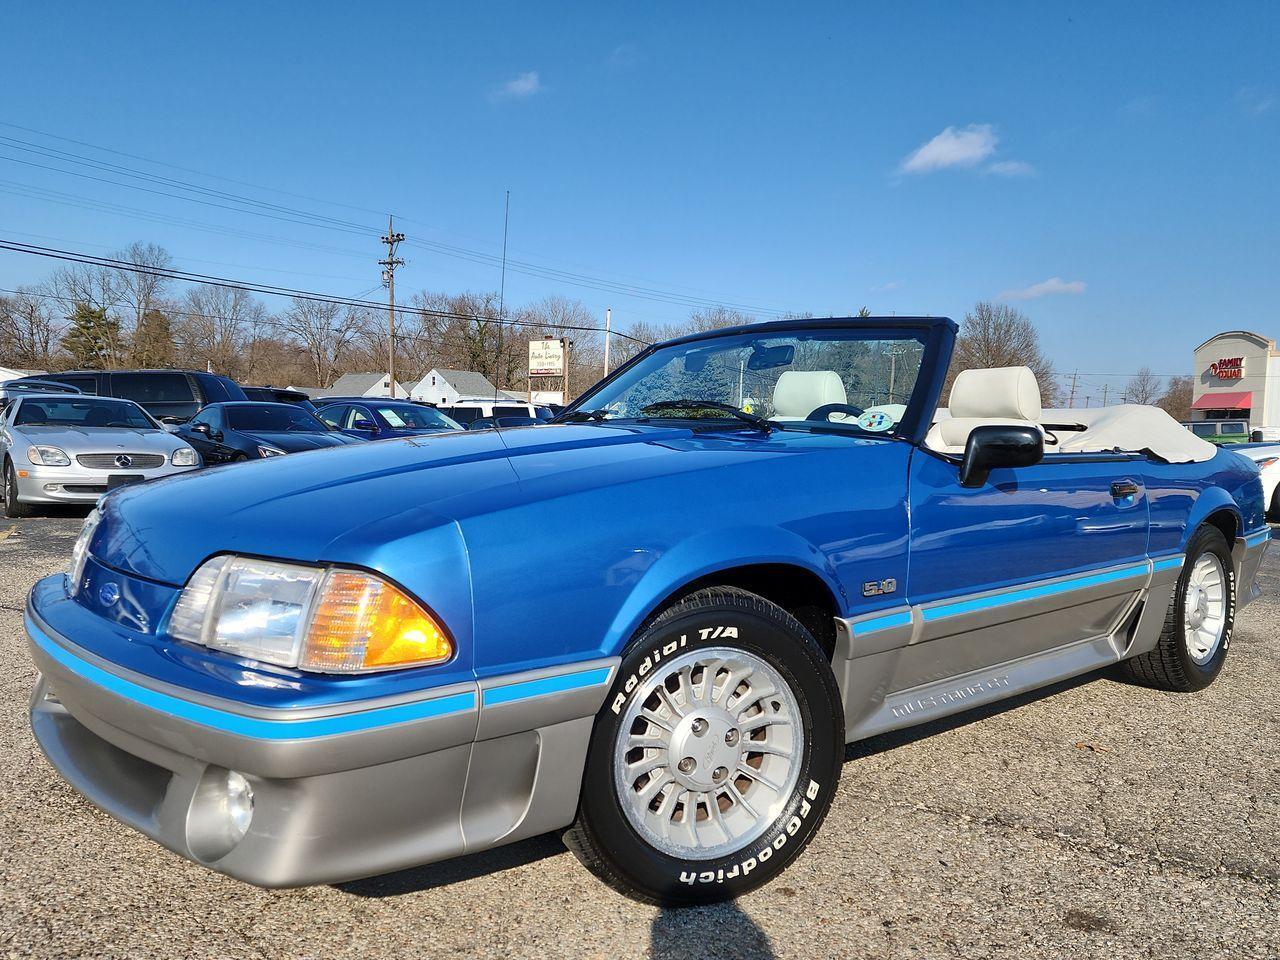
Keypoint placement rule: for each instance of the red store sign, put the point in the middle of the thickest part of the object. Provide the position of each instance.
(1228, 368)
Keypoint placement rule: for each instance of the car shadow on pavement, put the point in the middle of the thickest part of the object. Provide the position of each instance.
(466, 867)
(720, 930)
(897, 738)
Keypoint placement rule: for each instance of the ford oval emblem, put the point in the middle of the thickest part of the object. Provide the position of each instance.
(108, 593)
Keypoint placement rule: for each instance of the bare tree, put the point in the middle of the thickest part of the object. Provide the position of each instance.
(1143, 387)
(324, 330)
(996, 335)
(1176, 400)
(141, 291)
(219, 326)
(29, 331)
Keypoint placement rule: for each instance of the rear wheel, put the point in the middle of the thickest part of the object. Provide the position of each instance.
(715, 758)
(13, 507)
(1197, 628)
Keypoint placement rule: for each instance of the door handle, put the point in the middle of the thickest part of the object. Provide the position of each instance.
(1120, 489)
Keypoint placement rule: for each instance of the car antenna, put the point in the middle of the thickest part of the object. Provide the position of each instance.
(502, 302)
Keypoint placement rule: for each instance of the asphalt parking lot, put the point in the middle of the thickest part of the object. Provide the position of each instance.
(1094, 819)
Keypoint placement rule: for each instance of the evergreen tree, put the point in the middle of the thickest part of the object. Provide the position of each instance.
(93, 339)
(152, 341)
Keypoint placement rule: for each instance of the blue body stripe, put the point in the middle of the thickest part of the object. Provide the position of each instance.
(1167, 563)
(255, 727)
(899, 619)
(1031, 593)
(1261, 536)
(527, 689)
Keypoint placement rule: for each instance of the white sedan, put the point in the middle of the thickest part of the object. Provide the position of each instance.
(1267, 457)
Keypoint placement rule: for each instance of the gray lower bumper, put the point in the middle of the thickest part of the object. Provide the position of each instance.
(1248, 553)
(504, 763)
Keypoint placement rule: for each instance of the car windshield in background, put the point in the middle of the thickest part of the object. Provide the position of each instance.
(88, 412)
(273, 418)
(410, 417)
(856, 379)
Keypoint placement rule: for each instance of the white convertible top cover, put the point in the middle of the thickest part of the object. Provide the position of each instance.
(1129, 426)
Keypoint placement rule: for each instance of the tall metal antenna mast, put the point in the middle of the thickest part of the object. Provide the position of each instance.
(392, 240)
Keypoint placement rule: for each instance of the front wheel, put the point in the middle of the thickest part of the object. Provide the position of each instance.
(13, 507)
(715, 757)
(1197, 628)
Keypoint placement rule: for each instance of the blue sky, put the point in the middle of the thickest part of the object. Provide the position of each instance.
(1113, 167)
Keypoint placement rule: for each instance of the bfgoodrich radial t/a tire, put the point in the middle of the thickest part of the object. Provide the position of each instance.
(716, 755)
(1197, 628)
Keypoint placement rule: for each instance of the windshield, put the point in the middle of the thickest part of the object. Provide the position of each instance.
(411, 417)
(860, 380)
(273, 418)
(88, 412)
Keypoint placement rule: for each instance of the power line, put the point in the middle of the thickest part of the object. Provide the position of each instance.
(279, 291)
(252, 206)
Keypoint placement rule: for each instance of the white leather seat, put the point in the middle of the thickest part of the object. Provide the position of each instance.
(999, 395)
(800, 392)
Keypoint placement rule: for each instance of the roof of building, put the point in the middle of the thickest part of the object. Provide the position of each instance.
(467, 382)
(358, 384)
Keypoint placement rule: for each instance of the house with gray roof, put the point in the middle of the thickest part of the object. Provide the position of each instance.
(445, 387)
(365, 385)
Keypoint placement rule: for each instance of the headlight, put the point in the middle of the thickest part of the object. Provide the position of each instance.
(80, 553)
(270, 452)
(48, 457)
(184, 457)
(326, 620)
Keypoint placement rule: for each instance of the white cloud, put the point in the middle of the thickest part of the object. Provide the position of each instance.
(1011, 168)
(953, 148)
(886, 287)
(1045, 288)
(625, 55)
(523, 86)
(1255, 101)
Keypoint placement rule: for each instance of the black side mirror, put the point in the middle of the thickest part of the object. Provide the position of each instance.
(200, 428)
(365, 426)
(999, 446)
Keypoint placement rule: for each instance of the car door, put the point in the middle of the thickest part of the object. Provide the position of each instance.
(205, 432)
(1034, 559)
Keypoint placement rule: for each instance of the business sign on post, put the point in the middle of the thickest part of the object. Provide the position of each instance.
(546, 358)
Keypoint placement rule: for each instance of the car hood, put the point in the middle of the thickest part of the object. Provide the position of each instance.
(342, 505)
(297, 442)
(78, 440)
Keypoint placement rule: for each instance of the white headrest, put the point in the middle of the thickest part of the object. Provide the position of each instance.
(1007, 393)
(800, 392)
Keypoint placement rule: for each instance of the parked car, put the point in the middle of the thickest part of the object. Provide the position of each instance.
(467, 412)
(279, 395)
(60, 448)
(359, 662)
(1220, 431)
(1267, 457)
(18, 388)
(374, 419)
(171, 396)
(232, 432)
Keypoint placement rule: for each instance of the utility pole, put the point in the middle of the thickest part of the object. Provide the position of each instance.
(608, 319)
(1105, 387)
(392, 240)
(1071, 402)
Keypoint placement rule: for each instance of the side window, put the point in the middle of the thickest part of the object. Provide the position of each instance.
(152, 387)
(333, 416)
(463, 415)
(83, 384)
(354, 414)
(521, 411)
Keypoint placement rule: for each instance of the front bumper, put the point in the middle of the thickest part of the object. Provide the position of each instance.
(77, 484)
(1247, 553)
(341, 791)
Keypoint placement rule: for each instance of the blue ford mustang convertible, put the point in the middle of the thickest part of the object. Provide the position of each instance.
(766, 541)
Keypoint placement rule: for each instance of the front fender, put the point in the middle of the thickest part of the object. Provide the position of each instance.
(709, 552)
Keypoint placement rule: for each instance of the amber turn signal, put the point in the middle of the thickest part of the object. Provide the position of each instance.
(360, 622)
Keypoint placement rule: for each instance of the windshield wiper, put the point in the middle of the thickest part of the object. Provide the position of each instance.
(581, 416)
(690, 405)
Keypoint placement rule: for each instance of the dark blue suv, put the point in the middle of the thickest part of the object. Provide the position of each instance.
(171, 396)
(377, 418)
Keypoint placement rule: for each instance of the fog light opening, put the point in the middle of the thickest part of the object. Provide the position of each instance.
(220, 815)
